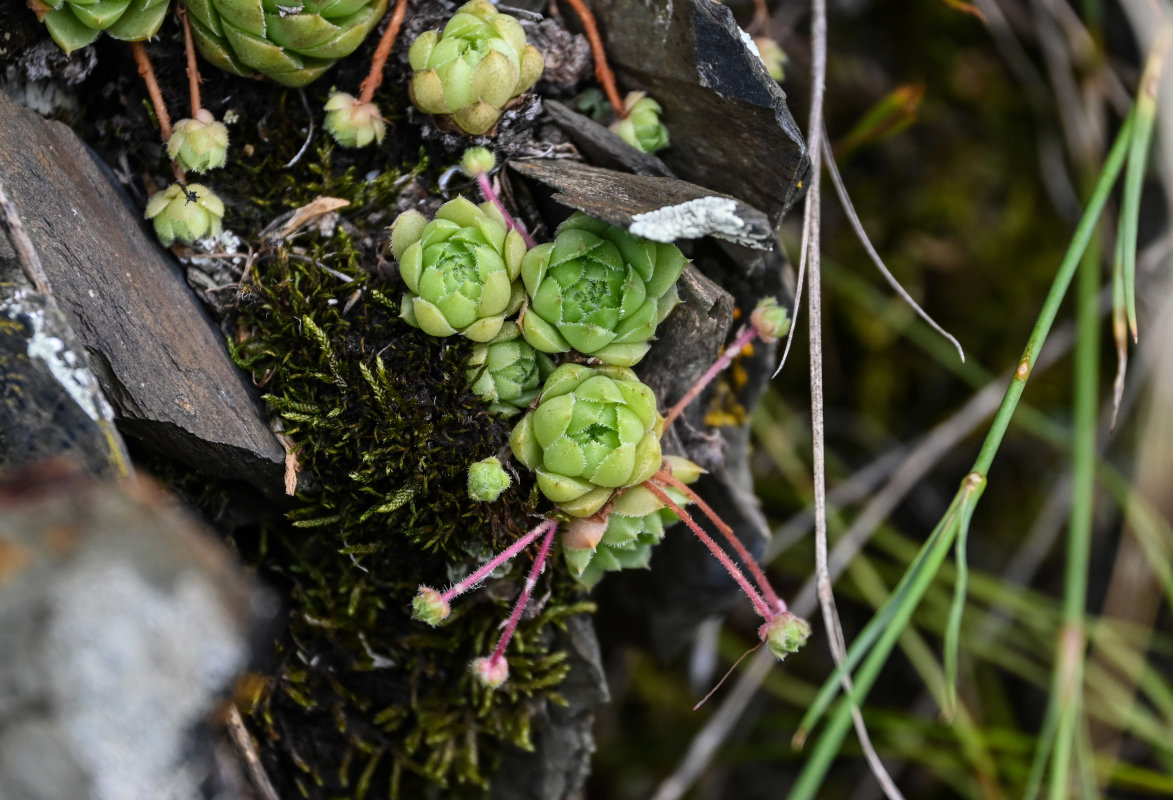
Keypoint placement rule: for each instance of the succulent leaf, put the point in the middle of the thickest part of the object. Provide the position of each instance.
(352, 122)
(249, 36)
(641, 128)
(76, 23)
(634, 526)
(199, 144)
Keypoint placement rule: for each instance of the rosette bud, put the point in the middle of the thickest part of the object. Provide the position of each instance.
(291, 42)
(635, 524)
(641, 128)
(771, 320)
(199, 144)
(474, 67)
(352, 122)
(599, 290)
(594, 430)
(487, 479)
(784, 634)
(459, 268)
(429, 606)
(185, 214)
(76, 23)
(477, 161)
(491, 672)
(506, 372)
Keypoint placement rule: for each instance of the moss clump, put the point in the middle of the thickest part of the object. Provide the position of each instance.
(384, 429)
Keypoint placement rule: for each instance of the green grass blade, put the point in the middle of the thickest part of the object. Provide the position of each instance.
(809, 781)
(1138, 156)
(872, 631)
(953, 629)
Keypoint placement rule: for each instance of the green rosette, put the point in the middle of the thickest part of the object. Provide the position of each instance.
(76, 23)
(291, 42)
(473, 68)
(506, 372)
(460, 269)
(594, 430)
(599, 290)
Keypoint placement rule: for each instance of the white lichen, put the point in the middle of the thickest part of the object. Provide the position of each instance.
(704, 216)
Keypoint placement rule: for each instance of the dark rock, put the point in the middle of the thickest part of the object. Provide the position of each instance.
(563, 740)
(160, 361)
(50, 402)
(660, 209)
(602, 146)
(731, 129)
(122, 628)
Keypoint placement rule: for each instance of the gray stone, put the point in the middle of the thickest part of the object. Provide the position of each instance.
(122, 627)
(728, 120)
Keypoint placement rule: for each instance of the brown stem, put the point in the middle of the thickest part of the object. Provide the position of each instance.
(148, 75)
(379, 60)
(761, 18)
(602, 69)
(193, 71)
(665, 477)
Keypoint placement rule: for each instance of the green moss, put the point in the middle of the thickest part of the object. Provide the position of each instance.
(364, 697)
(364, 700)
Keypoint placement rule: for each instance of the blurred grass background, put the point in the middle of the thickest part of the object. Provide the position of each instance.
(968, 143)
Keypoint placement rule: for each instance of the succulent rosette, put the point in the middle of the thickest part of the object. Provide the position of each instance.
(471, 69)
(506, 372)
(599, 290)
(76, 23)
(352, 122)
(624, 540)
(293, 42)
(594, 430)
(641, 128)
(185, 214)
(199, 144)
(460, 269)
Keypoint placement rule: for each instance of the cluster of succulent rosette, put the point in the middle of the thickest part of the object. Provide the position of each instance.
(589, 429)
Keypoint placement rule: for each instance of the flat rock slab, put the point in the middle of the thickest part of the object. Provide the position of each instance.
(730, 127)
(656, 208)
(123, 626)
(158, 357)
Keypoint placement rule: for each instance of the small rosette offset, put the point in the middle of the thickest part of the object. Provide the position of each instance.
(291, 42)
(506, 372)
(595, 429)
(599, 290)
(474, 67)
(460, 269)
